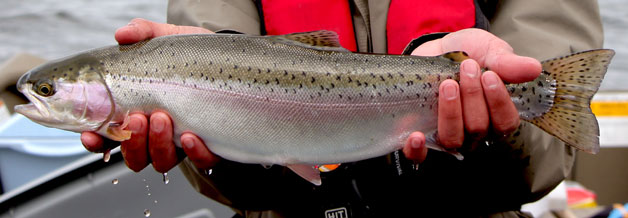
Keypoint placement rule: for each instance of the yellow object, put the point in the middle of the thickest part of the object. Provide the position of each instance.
(588, 203)
(610, 108)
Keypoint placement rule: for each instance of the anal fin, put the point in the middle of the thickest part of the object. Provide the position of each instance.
(308, 172)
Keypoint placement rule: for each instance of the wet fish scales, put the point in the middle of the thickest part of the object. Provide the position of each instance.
(273, 100)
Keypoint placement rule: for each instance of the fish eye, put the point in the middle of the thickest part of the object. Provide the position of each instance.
(45, 89)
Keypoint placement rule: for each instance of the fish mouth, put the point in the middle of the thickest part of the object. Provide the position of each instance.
(36, 109)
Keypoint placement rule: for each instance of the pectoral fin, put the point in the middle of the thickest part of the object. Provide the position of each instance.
(308, 172)
(116, 131)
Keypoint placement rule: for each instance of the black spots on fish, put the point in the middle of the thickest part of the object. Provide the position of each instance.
(276, 81)
(524, 89)
(235, 66)
(313, 80)
(357, 82)
(293, 77)
(328, 74)
(418, 77)
(220, 71)
(390, 75)
(146, 72)
(300, 85)
(382, 78)
(266, 82)
(285, 73)
(267, 70)
(338, 78)
(230, 76)
(401, 75)
(409, 83)
(340, 95)
(65, 75)
(349, 80)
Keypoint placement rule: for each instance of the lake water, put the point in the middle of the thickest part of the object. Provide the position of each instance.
(52, 29)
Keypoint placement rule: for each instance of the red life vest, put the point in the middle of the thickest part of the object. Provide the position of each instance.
(407, 19)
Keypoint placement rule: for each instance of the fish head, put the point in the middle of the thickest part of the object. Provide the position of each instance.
(68, 94)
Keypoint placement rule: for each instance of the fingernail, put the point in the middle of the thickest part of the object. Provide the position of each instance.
(490, 80)
(416, 143)
(135, 124)
(450, 91)
(157, 124)
(470, 69)
(187, 142)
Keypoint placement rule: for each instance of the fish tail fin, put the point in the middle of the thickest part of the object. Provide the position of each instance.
(577, 78)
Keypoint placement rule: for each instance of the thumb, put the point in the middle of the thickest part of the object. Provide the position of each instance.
(493, 53)
(140, 29)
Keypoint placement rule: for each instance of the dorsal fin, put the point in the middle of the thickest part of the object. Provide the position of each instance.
(319, 40)
(456, 56)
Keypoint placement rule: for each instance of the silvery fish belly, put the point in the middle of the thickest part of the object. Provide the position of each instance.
(295, 100)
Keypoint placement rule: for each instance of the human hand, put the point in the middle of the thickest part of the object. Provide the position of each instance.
(152, 137)
(479, 99)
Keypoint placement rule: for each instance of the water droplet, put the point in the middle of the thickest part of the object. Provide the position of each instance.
(208, 172)
(106, 155)
(166, 179)
(155, 201)
(114, 181)
(146, 212)
(148, 194)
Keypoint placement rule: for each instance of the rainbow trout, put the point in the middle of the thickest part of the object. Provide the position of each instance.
(295, 100)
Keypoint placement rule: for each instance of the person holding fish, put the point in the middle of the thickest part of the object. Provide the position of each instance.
(506, 162)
